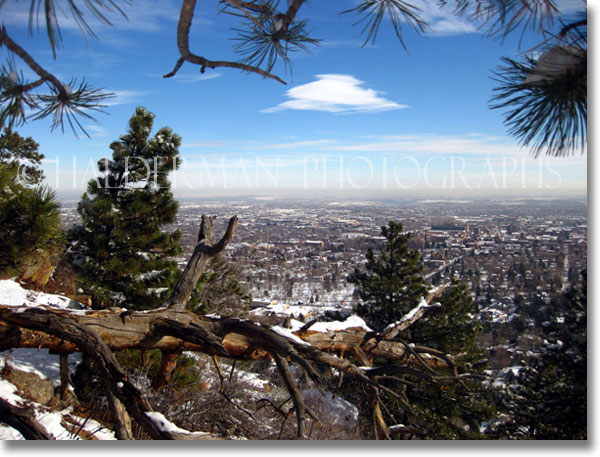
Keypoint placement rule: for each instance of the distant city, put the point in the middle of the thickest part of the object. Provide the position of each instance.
(300, 251)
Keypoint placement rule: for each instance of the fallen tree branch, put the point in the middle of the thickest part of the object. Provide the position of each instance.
(299, 404)
(172, 329)
(23, 420)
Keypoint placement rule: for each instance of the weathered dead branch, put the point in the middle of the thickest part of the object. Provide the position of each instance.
(172, 329)
(204, 251)
(22, 420)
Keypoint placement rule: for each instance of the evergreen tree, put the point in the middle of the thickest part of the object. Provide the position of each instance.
(390, 286)
(122, 252)
(548, 398)
(455, 410)
(29, 215)
(391, 283)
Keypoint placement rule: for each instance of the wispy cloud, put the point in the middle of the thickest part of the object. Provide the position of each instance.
(96, 130)
(335, 94)
(436, 144)
(189, 78)
(297, 144)
(141, 15)
(442, 20)
(125, 97)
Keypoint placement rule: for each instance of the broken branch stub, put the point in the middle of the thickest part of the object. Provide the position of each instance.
(205, 250)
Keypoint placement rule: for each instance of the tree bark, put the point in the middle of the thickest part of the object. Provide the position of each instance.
(204, 251)
(64, 376)
(23, 420)
(167, 365)
(122, 421)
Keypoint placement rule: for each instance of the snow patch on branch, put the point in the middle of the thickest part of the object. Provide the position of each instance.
(336, 326)
(287, 333)
(411, 314)
(163, 424)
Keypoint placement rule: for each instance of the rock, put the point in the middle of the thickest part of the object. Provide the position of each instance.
(31, 386)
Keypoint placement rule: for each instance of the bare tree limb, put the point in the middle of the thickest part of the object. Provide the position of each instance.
(122, 421)
(22, 420)
(31, 63)
(299, 404)
(204, 251)
(245, 11)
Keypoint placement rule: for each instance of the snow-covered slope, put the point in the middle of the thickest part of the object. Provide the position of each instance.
(61, 424)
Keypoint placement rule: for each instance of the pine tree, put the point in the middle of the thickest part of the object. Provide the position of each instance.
(388, 288)
(455, 410)
(122, 252)
(391, 283)
(29, 216)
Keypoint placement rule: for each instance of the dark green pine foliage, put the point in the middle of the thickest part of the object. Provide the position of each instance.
(548, 398)
(391, 283)
(123, 254)
(29, 215)
(455, 410)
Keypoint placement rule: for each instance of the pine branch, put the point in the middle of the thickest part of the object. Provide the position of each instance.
(65, 102)
(183, 30)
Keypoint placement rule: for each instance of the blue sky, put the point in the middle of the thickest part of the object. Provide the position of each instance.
(352, 121)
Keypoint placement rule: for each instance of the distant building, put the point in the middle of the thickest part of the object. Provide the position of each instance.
(314, 243)
(449, 228)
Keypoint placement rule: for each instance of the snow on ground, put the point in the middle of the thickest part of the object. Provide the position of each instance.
(337, 411)
(12, 294)
(254, 379)
(285, 309)
(37, 361)
(60, 424)
(46, 366)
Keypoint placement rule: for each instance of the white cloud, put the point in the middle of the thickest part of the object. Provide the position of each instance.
(141, 15)
(124, 97)
(296, 144)
(437, 144)
(444, 27)
(96, 129)
(442, 20)
(335, 94)
(188, 77)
